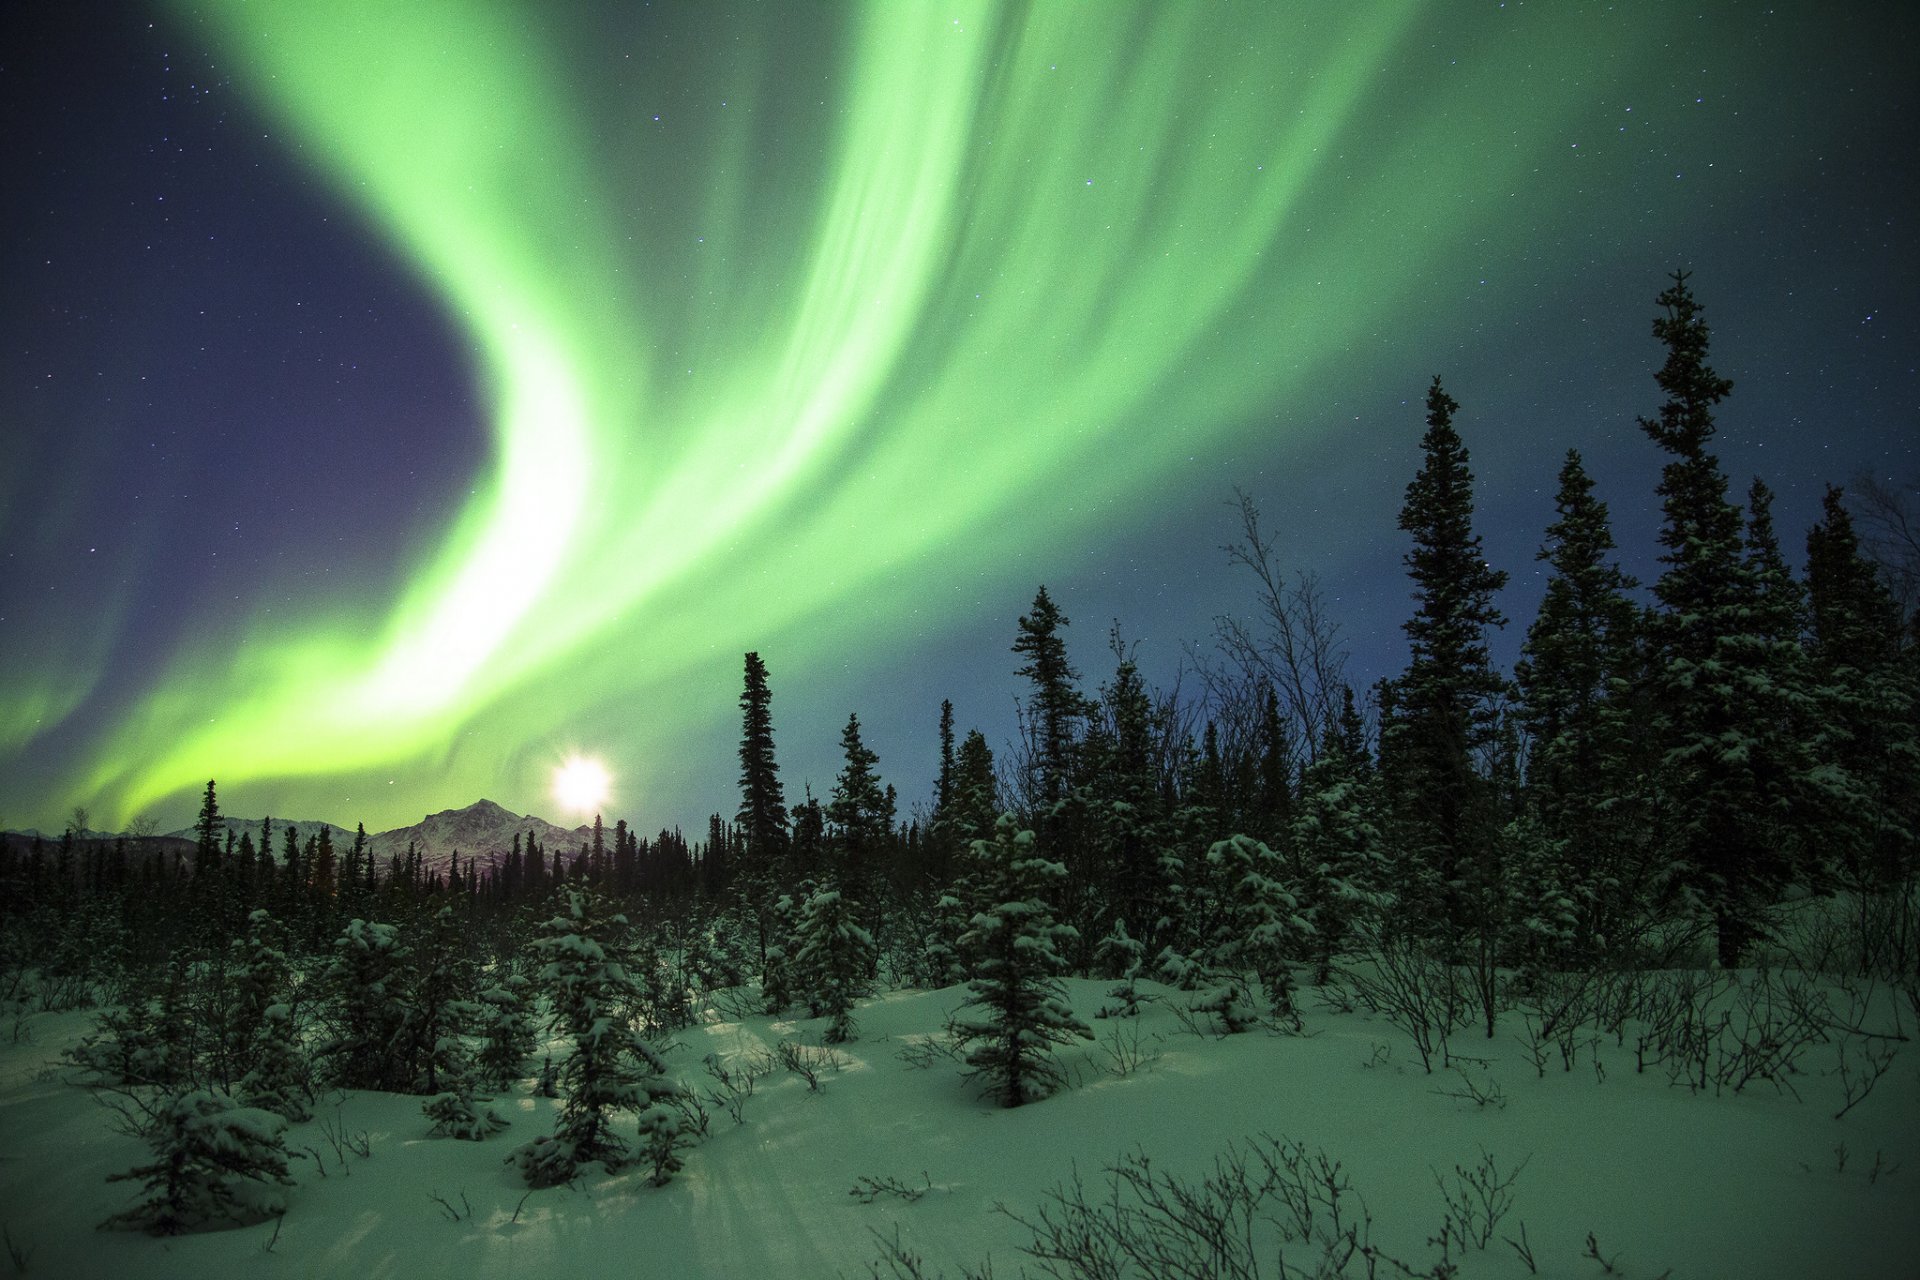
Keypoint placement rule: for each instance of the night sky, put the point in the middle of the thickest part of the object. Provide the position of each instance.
(398, 399)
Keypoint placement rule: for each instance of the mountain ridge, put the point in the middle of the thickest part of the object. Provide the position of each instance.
(484, 829)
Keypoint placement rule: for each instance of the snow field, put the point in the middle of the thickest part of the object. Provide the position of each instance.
(1732, 1186)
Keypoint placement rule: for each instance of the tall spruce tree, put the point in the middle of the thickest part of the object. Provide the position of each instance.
(1573, 676)
(859, 816)
(1718, 820)
(763, 807)
(1055, 721)
(1125, 810)
(1055, 708)
(943, 782)
(1445, 701)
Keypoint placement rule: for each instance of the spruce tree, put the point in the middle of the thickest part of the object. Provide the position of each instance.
(612, 1068)
(1055, 707)
(943, 781)
(834, 960)
(1574, 675)
(763, 807)
(364, 1006)
(277, 1076)
(1125, 805)
(1444, 703)
(1022, 1006)
(1866, 698)
(215, 1162)
(507, 1035)
(976, 790)
(1255, 921)
(1337, 845)
(1054, 724)
(439, 1005)
(1721, 832)
(860, 816)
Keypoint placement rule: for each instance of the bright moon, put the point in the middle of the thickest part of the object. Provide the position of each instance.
(581, 785)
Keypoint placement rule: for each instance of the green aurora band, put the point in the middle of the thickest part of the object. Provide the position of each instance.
(758, 371)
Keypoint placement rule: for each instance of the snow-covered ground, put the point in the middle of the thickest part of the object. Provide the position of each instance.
(1745, 1186)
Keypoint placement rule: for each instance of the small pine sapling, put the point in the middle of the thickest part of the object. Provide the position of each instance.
(1257, 916)
(151, 1041)
(1230, 1003)
(280, 1079)
(215, 1163)
(1120, 955)
(777, 975)
(507, 1035)
(662, 1136)
(458, 1114)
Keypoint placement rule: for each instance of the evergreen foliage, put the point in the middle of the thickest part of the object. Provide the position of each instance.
(1055, 706)
(612, 1068)
(1445, 702)
(1022, 1006)
(1721, 685)
(458, 1114)
(1574, 676)
(763, 807)
(1255, 921)
(364, 1007)
(1866, 694)
(507, 1035)
(834, 960)
(1337, 845)
(859, 815)
(215, 1163)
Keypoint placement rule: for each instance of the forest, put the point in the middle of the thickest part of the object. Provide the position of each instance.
(1668, 773)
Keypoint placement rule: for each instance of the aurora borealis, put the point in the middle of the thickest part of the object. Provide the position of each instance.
(500, 373)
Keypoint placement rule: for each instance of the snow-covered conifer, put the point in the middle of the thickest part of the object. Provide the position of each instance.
(941, 963)
(1341, 869)
(1256, 919)
(458, 1114)
(1120, 955)
(278, 1078)
(363, 996)
(438, 1008)
(506, 1030)
(1022, 1007)
(262, 978)
(663, 999)
(662, 1137)
(834, 961)
(777, 976)
(149, 1041)
(612, 1067)
(214, 1162)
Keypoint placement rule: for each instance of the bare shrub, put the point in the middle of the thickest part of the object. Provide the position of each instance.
(1396, 977)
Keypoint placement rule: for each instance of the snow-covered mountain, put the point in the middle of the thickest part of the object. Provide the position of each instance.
(482, 829)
